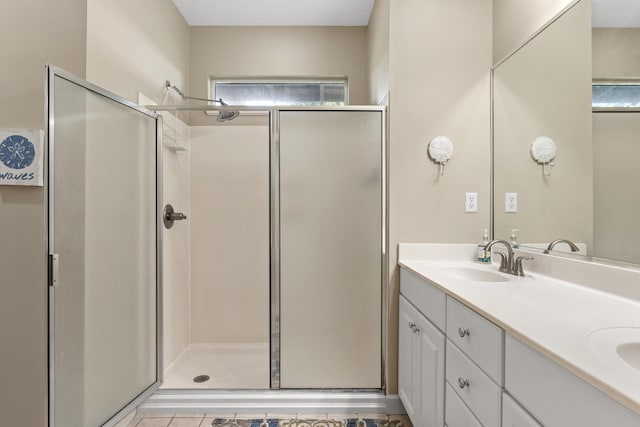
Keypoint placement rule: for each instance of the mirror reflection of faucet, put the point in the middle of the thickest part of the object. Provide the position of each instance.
(573, 246)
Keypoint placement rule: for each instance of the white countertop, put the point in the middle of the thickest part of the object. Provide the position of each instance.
(551, 315)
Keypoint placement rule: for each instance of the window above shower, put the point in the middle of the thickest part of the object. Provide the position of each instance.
(271, 92)
(616, 94)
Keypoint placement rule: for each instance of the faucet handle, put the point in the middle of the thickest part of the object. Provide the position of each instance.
(517, 268)
(503, 262)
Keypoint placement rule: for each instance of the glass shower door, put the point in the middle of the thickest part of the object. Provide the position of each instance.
(104, 260)
(331, 248)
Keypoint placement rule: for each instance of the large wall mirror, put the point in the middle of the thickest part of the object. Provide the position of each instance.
(588, 191)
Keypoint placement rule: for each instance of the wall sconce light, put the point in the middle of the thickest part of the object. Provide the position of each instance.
(543, 151)
(440, 151)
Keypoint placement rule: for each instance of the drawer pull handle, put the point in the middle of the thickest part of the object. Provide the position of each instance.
(463, 382)
(463, 332)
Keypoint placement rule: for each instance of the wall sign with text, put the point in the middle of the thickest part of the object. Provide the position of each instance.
(21, 153)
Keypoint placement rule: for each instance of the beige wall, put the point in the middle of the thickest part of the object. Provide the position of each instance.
(545, 90)
(32, 34)
(616, 197)
(516, 21)
(439, 61)
(615, 53)
(278, 51)
(136, 46)
(229, 210)
(378, 52)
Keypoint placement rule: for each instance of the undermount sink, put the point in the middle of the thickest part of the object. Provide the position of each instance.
(630, 353)
(472, 274)
(618, 344)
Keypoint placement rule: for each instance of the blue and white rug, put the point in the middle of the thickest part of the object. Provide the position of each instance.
(300, 422)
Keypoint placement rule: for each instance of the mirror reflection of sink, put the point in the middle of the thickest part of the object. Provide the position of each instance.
(615, 345)
(472, 274)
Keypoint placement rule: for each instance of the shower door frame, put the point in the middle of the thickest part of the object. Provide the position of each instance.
(274, 197)
(215, 400)
(51, 72)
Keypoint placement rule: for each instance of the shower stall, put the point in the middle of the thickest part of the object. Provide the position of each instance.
(272, 288)
(285, 253)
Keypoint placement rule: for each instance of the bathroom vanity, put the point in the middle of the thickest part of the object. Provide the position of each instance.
(477, 347)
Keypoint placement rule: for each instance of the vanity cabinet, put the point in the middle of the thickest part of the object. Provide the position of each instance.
(458, 369)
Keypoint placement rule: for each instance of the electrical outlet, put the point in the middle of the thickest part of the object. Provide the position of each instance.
(511, 202)
(471, 202)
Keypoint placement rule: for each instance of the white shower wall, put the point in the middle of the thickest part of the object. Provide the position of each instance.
(229, 234)
(175, 243)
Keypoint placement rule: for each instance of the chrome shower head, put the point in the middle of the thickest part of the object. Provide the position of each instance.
(223, 115)
(226, 115)
(182, 95)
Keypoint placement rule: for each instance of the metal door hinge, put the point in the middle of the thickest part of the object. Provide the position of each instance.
(53, 269)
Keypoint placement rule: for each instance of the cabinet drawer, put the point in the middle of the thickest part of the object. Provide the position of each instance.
(477, 337)
(430, 300)
(456, 413)
(480, 393)
(513, 415)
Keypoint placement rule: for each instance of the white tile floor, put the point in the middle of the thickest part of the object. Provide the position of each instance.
(202, 420)
(232, 366)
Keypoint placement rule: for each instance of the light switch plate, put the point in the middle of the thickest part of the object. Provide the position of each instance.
(511, 202)
(471, 202)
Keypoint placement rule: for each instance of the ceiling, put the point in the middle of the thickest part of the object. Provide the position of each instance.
(276, 12)
(606, 13)
(616, 13)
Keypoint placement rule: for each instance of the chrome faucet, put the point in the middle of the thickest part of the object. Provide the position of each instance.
(507, 262)
(572, 245)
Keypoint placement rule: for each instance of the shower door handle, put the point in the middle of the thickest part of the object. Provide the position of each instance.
(54, 269)
(170, 216)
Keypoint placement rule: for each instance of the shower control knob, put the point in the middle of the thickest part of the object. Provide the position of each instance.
(169, 216)
(177, 216)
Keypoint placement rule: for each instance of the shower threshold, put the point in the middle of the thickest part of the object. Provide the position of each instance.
(192, 401)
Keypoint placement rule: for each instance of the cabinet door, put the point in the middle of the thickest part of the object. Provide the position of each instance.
(421, 367)
(429, 354)
(405, 357)
(555, 396)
